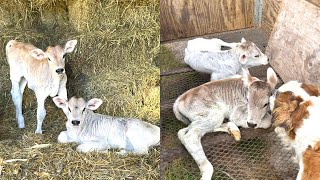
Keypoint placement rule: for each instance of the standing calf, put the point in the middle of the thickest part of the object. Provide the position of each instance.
(223, 64)
(43, 72)
(244, 101)
(296, 114)
(96, 132)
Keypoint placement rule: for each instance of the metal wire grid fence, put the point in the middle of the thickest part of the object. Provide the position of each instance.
(261, 157)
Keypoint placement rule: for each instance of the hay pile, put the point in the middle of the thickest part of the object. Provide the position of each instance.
(115, 60)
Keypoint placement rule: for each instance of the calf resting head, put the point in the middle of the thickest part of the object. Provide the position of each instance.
(258, 96)
(75, 108)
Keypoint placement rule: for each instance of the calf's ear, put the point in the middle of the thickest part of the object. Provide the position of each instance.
(38, 54)
(70, 45)
(60, 102)
(243, 40)
(272, 78)
(94, 103)
(247, 78)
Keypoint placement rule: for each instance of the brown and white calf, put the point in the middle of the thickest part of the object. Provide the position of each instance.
(244, 101)
(44, 72)
(296, 114)
(224, 64)
(97, 132)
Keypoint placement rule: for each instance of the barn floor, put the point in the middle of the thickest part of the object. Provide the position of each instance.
(259, 154)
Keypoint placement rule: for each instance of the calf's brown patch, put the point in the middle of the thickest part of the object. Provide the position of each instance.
(311, 163)
(311, 89)
(289, 112)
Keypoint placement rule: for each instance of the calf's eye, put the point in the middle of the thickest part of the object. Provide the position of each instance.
(256, 56)
(265, 105)
(83, 110)
(69, 109)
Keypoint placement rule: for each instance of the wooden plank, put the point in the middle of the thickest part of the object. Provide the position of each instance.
(315, 2)
(270, 10)
(293, 47)
(186, 18)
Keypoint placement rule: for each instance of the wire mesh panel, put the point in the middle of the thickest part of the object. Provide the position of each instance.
(256, 156)
(261, 157)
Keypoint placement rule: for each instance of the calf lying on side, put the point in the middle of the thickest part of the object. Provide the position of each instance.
(296, 113)
(209, 45)
(43, 72)
(96, 132)
(223, 64)
(244, 101)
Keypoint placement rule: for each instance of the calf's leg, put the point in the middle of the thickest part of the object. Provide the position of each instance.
(64, 138)
(230, 128)
(91, 146)
(41, 111)
(191, 139)
(17, 100)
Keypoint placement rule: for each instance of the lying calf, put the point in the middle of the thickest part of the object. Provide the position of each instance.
(296, 113)
(223, 64)
(209, 45)
(242, 100)
(96, 132)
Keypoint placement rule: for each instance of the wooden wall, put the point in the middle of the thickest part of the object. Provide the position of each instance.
(270, 11)
(186, 18)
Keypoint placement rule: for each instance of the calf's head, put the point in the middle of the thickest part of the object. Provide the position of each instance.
(75, 108)
(55, 55)
(250, 54)
(258, 96)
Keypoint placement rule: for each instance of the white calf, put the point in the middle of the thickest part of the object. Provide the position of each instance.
(96, 132)
(42, 71)
(296, 114)
(209, 45)
(242, 100)
(223, 64)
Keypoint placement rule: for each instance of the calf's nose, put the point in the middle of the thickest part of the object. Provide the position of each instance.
(75, 122)
(60, 70)
(251, 125)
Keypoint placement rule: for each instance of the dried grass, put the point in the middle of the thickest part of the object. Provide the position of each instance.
(115, 60)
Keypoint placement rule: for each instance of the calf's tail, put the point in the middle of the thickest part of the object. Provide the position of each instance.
(178, 113)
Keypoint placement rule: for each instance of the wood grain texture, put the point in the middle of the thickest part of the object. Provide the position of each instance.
(315, 2)
(293, 47)
(186, 18)
(270, 11)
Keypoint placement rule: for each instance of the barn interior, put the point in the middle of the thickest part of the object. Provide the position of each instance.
(279, 28)
(116, 60)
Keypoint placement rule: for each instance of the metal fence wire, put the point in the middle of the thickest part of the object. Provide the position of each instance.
(259, 155)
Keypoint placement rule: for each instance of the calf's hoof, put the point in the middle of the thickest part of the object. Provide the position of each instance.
(236, 135)
(38, 131)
